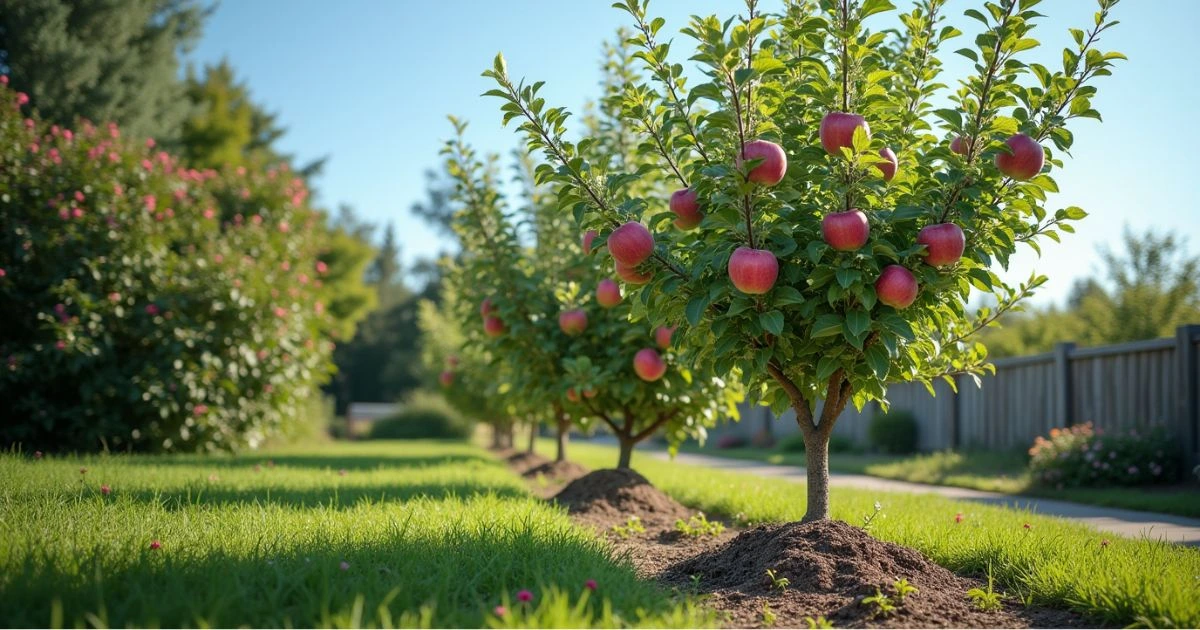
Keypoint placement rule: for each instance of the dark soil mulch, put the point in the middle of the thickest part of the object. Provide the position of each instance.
(609, 497)
(831, 567)
(563, 471)
(524, 460)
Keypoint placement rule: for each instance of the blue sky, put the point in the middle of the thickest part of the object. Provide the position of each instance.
(369, 83)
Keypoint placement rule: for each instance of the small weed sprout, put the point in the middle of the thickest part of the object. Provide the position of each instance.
(819, 622)
(633, 525)
(883, 604)
(985, 600)
(870, 518)
(903, 589)
(768, 615)
(779, 583)
(695, 578)
(698, 526)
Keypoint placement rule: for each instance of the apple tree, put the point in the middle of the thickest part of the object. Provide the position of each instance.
(839, 201)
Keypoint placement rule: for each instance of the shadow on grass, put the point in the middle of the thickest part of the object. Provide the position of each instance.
(348, 461)
(332, 496)
(446, 570)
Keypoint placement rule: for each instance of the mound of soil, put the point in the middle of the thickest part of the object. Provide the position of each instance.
(524, 460)
(564, 470)
(831, 566)
(608, 497)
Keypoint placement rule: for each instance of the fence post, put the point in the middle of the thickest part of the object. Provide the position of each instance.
(1062, 383)
(1189, 399)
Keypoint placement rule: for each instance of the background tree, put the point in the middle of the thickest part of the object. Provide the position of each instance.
(1150, 290)
(103, 61)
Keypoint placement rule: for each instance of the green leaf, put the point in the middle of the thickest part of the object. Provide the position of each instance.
(772, 322)
(871, 7)
(827, 325)
(878, 360)
(695, 309)
(858, 322)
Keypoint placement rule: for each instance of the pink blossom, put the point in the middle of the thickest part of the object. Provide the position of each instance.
(1028, 526)
(155, 545)
(245, 193)
(303, 278)
(114, 297)
(63, 214)
(54, 156)
(283, 227)
(208, 213)
(105, 490)
(200, 410)
(3, 79)
(114, 131)
(22, 98)
(34, 147)
(500, 611)
(151, 202)
(590, 585)
(256, 219)
(180, 193)
(152, 309)
(148, 165)
(79, 196)
(113, 157)
(958, 518)
(286, 266)
(345, 566)
(280, 311)
(29, 123)
(524, 596)
(60, 344)
(241, 171)
(3, 272)
(68, 135)
(77, 212)
(319, 307)
(322, 267)
(149, 143)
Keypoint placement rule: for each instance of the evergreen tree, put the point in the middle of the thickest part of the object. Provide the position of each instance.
(104, 60)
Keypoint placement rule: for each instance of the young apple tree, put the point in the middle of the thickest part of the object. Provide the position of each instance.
(844, 221)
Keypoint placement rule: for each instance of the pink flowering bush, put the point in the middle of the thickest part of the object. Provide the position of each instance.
(146, 305)
(1084, 456)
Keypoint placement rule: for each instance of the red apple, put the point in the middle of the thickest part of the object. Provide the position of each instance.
(771, 169)
(588, 237)
(608, 293)
(1023, 159)
(959, 145)
(630, 274)
(753, 271)
(648, 365)
(493, 326)
(486, 308)
(631, 243)
(943, 243)
(889, 168)
(846, 231)
(573, 322)
(837, 131)
(446, 378)
(896, 287)
(572, 395)
(662, 336)
(687, 208)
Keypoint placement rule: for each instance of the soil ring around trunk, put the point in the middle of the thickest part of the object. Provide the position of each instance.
(831, 566)
(555, 473)
(524, 460)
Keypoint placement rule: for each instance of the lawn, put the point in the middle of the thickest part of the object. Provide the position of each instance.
(1052, 561)
(411, 534)
(994, 471)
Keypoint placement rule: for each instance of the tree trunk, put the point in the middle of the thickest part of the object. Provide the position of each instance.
(816, 456)
(564, 428)
(508, 436)
(626, 452)
(533, 431)
(495, 437)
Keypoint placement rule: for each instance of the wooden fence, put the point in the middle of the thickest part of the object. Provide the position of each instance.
(1126, 386)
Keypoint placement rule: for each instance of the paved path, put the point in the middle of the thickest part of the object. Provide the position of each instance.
(1130, 523)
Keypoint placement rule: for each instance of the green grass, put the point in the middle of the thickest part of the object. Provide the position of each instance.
(993, 471)
(1053, 562)
(432, 533)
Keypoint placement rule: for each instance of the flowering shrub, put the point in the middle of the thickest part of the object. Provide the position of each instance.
(146, 305)
(1083, 456)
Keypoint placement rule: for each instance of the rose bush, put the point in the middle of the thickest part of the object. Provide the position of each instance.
(149, 306)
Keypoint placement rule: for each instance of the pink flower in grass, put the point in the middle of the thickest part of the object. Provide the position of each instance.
(500, 611)
(155, 545)
(1105, 542)
(590, 585)
(524, 596)
(1027, 526)
(958, 518)
(105, 490)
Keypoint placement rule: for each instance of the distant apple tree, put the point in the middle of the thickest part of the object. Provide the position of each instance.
(844, 222)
